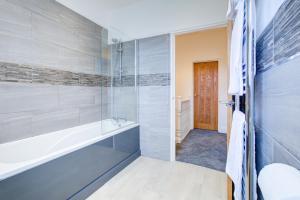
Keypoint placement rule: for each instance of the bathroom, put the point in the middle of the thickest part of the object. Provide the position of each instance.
(88, 99)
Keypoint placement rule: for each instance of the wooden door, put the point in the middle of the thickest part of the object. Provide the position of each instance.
(206, 95)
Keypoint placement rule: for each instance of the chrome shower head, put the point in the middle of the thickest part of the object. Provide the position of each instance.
(115, 40)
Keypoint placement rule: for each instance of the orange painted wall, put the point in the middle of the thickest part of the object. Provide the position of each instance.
(200, 46)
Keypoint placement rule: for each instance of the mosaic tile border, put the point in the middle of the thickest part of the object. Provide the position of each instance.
(161, 79)
(127, 81)
(280, 40)
(10, 72)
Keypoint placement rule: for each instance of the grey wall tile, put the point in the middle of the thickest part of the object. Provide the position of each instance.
(287, 31)
(160, 149)
(123, 94)
(125, 111)
(104, 65)
(154, 96)
(90, 114)
(58, 119)
(15, 126)
(17, 50)
(271, 151)
(127, 94)
(282, 155)
(46, 33)
(88, 46)
(14, 13)
(14, 29)
(154, 119)
(47, 8)
(124, 102)
(264, 150)
(154, 55)
(50, 67)
(129, 54)
(28, 110)
(265, 49)
(15, 20)
(279, 102)
(280, 41)
(277, 92)
(128, 58)
(44, 54)
(26, 97)
(106, 111)
(78, 96)
(50, 31)
(76, 61)
(105, 95)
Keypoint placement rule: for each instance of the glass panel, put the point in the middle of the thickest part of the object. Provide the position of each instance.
(105, 70)
(119, 95)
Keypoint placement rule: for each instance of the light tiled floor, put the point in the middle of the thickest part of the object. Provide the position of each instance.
(150, 179)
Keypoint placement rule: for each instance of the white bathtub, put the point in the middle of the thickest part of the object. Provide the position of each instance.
(21, 155)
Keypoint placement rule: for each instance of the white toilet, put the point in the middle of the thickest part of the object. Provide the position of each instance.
(279, 182)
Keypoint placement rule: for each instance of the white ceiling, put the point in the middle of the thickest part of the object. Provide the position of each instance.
(98, 6)
(133, 19)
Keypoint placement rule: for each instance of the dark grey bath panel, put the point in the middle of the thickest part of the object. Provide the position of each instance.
(76, 175)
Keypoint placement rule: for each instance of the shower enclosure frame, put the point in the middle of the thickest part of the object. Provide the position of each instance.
(120, 48)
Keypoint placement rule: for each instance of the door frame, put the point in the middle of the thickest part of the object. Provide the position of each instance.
(172, 63)
(229, 109)
(218, 95)
(227, 24)
(172, 97)
(173, 93)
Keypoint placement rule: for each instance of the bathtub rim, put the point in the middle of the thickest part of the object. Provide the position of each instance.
(12, 169)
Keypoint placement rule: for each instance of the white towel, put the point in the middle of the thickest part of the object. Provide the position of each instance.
(235, 153)
(231, 10)
(236, 53)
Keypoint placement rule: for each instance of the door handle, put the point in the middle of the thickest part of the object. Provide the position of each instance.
(227, 103)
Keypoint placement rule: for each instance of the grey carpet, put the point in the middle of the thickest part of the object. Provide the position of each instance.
(203, 148)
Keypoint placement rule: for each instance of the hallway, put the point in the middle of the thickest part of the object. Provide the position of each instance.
(203, 148)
